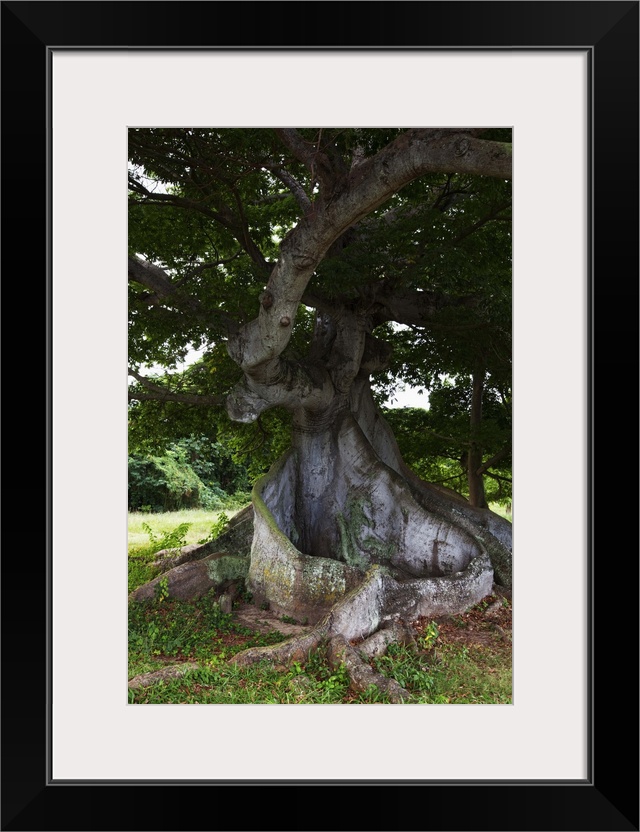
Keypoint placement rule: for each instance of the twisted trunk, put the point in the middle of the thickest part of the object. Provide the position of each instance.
(346, 537)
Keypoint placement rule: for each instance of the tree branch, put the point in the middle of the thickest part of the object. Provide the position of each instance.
(499, 478)
(159, 283)
(225, 218)
(417, 307)
(317, 162)
(152, 198)
(492, 215)
(162, 394)
(322, 304)
(294, 186)
(201, 267)
(259, 343)
(494, 459)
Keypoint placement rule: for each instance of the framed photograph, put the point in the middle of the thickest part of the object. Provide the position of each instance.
(564, 78)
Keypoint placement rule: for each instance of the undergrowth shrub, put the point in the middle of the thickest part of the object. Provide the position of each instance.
(163, 483)
(194, 472)
(140, 566)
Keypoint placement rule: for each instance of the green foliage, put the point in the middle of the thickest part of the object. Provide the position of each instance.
(258, 445)
(213, 463)
(165, 483)
(139, 572)
(471, 676)
(217, 528)
(430, 635)
(162, 589)
(210, 207)
(193, 472)
(325, 684)
(406, 667)
(169, 627)
(140, 568)
(435, 442)
(173, 539)
(197, 520)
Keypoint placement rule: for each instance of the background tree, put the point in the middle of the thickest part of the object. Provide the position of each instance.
(291, 257)
(194, 472)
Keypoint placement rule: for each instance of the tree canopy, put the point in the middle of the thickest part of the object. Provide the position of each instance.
(241, 241)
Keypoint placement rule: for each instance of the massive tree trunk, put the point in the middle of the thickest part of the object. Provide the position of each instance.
(346, 537)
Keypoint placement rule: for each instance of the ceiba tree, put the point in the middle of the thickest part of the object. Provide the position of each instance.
(298, 251)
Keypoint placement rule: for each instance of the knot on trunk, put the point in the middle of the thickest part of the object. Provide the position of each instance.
(302, 261)
(245, 405)
(376, 354)
(462, 147)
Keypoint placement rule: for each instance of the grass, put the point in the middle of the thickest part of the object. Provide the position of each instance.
(464, 659)
(227, 684)
(449, 672)
(456, 676)
(473, 676)
(199, 520)
(172, 631)
(168, 530)
(502, 510)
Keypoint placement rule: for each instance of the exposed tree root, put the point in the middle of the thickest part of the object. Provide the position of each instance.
(339, 621)
(145, 680)
(292, 650)
(361, 676)
(343, 624)
(339, 653)
(394, 632)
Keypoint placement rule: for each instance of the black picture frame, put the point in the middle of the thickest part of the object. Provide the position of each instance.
(608, 798)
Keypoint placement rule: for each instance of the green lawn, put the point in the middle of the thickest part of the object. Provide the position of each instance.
(199, 520)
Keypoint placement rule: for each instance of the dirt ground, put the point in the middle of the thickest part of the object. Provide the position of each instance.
(478, 626)
(265, 621)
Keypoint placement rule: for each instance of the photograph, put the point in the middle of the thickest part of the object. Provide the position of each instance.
(319, 456)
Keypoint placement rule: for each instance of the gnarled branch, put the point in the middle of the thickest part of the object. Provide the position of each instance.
(155, 392)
